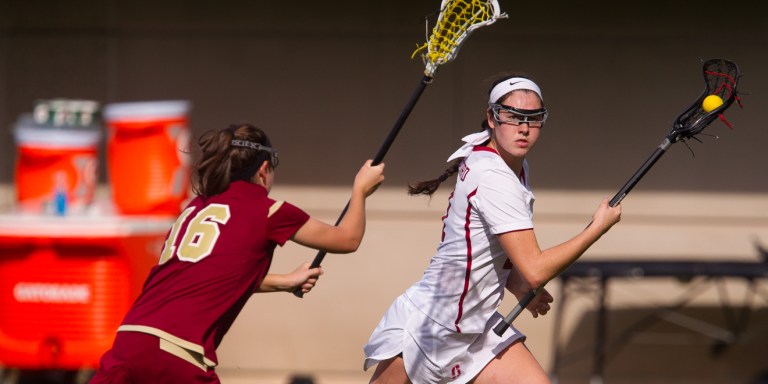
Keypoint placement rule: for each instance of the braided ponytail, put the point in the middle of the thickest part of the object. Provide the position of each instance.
(429, 187)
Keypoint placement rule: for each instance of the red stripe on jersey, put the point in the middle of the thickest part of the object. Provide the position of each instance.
(442, 237)
(468, 238)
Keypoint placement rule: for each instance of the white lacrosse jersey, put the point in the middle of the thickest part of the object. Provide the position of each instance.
(465, 280)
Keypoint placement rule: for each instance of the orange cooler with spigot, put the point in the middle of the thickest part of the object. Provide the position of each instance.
(55, 163)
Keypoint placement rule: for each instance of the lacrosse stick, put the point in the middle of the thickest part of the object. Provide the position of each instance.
(457, 20)
(720, 78)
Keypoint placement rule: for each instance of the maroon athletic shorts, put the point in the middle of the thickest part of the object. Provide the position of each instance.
(136, 357)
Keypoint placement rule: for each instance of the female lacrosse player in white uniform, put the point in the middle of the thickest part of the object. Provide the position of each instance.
(440, 329)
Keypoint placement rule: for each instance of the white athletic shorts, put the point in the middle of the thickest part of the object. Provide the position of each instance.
(432, 353)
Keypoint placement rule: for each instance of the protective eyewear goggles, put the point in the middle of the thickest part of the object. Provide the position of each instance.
(273, 159)
(535, 118)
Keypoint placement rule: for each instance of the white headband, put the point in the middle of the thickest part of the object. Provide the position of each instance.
(513, 84)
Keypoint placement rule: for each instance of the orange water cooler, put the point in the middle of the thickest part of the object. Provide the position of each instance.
(56, 166)
(67, 282)
(148, 156)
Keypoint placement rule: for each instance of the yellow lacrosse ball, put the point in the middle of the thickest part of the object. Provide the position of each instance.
(711, 103)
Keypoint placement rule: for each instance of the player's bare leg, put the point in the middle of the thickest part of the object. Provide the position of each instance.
(390, 371)
(516, 364)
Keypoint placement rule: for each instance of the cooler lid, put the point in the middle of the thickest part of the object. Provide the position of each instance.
(146, 110)
(27, 132)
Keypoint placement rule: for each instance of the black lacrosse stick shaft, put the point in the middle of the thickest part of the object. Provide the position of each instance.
(516, 311)
(662, 149)
(425, 80)
(655, 156)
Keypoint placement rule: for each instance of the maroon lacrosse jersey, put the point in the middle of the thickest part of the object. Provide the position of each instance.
(215, 256)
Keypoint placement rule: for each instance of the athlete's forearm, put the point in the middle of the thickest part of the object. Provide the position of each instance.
(273, 283)
(353, 223)
(537, 267)
(561, 256)
(302, 277)
(366, 182)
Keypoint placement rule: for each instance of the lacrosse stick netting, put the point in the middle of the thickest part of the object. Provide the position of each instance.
(721, 78)
(457, 20)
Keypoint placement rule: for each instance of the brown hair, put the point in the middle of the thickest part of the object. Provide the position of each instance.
(221, 163)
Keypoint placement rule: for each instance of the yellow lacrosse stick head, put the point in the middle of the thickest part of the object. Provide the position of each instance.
(457, 20)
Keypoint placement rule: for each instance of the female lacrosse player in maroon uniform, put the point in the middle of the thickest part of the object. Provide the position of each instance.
(216, 255)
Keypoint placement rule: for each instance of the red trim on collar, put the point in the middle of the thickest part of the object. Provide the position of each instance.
(484, 148)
